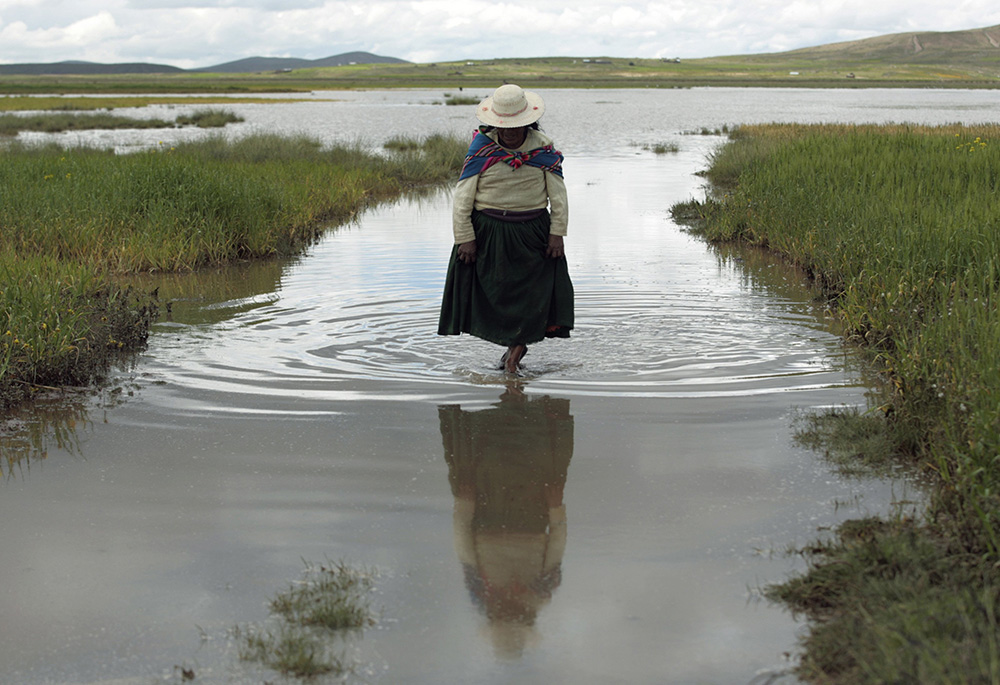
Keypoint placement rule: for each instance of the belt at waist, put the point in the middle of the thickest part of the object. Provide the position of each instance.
(512, 216)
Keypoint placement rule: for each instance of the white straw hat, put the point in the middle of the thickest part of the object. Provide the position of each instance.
(510, 106)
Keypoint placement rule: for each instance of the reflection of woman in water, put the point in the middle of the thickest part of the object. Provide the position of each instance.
(507, 468)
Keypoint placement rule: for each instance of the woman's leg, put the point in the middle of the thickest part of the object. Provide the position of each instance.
(512, 360)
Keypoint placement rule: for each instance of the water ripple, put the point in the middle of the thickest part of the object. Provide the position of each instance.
(357, 317)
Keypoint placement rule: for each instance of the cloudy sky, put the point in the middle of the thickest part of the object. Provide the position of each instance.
(197, 33)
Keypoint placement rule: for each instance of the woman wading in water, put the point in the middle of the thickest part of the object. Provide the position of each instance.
(507, 281)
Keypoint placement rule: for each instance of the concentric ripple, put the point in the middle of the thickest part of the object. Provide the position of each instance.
(658, 314)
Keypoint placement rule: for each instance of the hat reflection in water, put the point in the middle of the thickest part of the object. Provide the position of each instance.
(507, 468)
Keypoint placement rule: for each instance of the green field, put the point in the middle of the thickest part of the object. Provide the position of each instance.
(540, 73)
(900, 227)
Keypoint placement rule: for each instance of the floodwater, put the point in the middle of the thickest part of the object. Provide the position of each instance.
(610, 517)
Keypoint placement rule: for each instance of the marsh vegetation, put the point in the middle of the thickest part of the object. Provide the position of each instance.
(899, 227)
(312, 619)
(12, 124)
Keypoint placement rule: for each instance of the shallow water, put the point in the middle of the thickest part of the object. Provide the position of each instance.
(607, 518)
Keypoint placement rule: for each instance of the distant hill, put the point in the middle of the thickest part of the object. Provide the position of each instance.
(256, 64)
(87, 68)
(248, 65)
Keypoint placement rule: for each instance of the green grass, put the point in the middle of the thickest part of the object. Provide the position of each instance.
(900, 227)
(314, 616)
(94, 215)
(892, 604)
(63, 323)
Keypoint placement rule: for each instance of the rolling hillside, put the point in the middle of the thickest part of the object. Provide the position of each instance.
(973, 53)
(244, 66)
(88, 68)
(974, 45)
(258, 64)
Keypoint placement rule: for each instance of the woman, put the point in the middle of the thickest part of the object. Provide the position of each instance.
(507, 280)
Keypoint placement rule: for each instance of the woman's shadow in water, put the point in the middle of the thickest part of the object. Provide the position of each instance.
(507, 468)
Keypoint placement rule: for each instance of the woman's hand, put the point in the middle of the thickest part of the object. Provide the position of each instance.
(555, 249)
(467, 252)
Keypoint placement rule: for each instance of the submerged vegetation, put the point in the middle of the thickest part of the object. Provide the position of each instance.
(313, 617)
(662, 148)
(900, 227)
(75, 219)
(450, 99)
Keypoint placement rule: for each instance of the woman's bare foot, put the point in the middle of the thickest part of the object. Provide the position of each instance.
(513, 357)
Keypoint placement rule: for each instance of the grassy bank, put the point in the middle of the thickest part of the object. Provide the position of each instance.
(900, 226)
(92, 215)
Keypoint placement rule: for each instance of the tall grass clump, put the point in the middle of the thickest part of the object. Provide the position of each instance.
(62, 323)
(900, 225)
(49, 122)
(313, 617)
(12, 124)
(209, 118)
(93, 214)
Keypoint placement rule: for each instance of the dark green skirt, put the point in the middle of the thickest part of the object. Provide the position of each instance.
(513, 294)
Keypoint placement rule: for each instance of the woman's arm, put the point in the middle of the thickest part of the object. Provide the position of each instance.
(559, 211)
(555, 187)
(464, 201)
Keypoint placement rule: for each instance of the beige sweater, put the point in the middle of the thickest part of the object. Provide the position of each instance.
(504, 187)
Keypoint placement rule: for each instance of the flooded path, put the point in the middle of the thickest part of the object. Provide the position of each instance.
(607, 519)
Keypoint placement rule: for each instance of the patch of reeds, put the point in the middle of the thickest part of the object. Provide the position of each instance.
(706, 131)
(401, 144)
(94, 214)
(313, 618)
(12, 124)
(900, 226)
(84, 103)
(856, 442)
(662, 148)
(209, 118)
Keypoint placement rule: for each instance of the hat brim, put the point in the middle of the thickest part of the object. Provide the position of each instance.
(532, 113)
